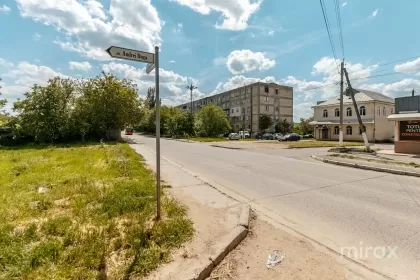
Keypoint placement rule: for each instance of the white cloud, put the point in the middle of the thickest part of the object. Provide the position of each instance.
(302, 110)
(5, 9)
(4, 62)
(178, 28)
(243, 61)
(271, 33)
(344, 4)
(240, 81)
(302, 87)
(172, 61)
(95, 8)
(219, 61)
(24, 76)
(37, 36)
(235, 13)
(172, 85)
(401, 88)
(82, 66)
(408, 67)
(374, 14)
(134, 24)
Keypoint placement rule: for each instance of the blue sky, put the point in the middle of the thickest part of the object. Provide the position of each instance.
(218, 44)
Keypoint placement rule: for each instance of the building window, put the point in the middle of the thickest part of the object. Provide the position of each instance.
(392, 110)
(349, 130)
(363, 111)
(325, 113)
(379, 111)
(237, 110)
(349, 112)
(211, 100)
(337, 112)
(249, 126)
(384, 111)
(336, 130)
(266, 89)
(277, 109)
(360, 131)
(266, 108)
(277, 91)
(232, 111)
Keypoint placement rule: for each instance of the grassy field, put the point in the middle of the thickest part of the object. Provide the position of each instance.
(79, 212)
(318, 144)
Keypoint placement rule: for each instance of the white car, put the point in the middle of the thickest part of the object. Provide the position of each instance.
(244, 134)
(234, 136)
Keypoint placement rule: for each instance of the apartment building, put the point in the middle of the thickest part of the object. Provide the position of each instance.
(245, 105)
(374, 108)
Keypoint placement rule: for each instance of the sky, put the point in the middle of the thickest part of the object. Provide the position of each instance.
(215, 44)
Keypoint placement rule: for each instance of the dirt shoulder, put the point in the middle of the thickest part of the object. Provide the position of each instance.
(302, 259)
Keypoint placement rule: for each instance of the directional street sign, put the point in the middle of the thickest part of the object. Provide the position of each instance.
(150, 67)
(123, 53)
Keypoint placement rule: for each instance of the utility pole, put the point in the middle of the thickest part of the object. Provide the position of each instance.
(341, 134)
(361, 126)
(191, 88)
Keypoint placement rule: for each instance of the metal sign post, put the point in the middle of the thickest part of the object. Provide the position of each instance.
(153, 63)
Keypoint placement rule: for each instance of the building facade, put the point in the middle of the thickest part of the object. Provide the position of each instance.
(374, 108)
(407, 125)
(245, 105)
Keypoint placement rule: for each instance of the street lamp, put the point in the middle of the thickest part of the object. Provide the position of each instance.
(191, 88)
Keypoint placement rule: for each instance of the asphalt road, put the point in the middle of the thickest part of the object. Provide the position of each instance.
(373, 218)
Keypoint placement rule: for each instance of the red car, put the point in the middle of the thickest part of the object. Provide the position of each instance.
(128, 131)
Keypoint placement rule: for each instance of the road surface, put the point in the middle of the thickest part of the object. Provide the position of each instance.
(371, 217)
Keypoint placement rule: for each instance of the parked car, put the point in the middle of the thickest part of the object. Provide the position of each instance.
(129, 131)
(290, 137)
(244, 134)
(267, 136)
(234, 136)
(258, 135)
(308, 136)
(277, 136)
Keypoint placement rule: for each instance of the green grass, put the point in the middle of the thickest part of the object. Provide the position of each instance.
(318, 144)
(97, 214)
(383, 161)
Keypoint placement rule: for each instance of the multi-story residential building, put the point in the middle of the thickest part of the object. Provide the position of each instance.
(374, 109)
(245, 105)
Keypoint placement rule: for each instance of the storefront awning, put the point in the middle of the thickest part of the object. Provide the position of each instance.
(404, 117)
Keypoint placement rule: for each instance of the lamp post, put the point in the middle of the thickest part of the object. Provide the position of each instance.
(191, 88)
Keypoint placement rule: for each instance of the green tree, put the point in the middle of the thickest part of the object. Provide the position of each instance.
(45, 113)
(150, 98)
(212, 121)
(107, 105)
(3, 102)
(180, 124)
(305, 127)
(283, 126)
(265, 122)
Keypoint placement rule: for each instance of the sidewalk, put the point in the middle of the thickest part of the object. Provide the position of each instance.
(383, 162)
(217, 221)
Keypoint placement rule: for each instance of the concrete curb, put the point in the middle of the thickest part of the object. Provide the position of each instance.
(367, 167)
(226, 244)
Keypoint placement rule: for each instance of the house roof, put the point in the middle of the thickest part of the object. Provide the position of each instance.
(361, 95)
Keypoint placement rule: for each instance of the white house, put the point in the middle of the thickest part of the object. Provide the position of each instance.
(374, 109)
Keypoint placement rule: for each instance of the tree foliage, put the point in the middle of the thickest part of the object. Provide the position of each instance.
(283, 126)
(265, 122)
(150, 98)
(211, 122)
(3, 102)
(305, 127)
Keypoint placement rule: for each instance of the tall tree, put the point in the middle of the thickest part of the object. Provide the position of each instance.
(150, 98)
(3, 102)
(283, 126)
(305, 127)
(45, 113)
(108, 104)
(265, 122)
(212, 121)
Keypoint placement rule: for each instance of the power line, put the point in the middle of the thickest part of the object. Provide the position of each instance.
(327, 25)
(338, 17)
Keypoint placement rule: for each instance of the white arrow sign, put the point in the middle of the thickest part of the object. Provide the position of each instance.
(123, 53)
(150, 67)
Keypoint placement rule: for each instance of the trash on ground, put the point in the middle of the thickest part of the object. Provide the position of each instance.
(275, 258)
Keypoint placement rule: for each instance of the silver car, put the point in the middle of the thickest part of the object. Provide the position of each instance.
(234, 136)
